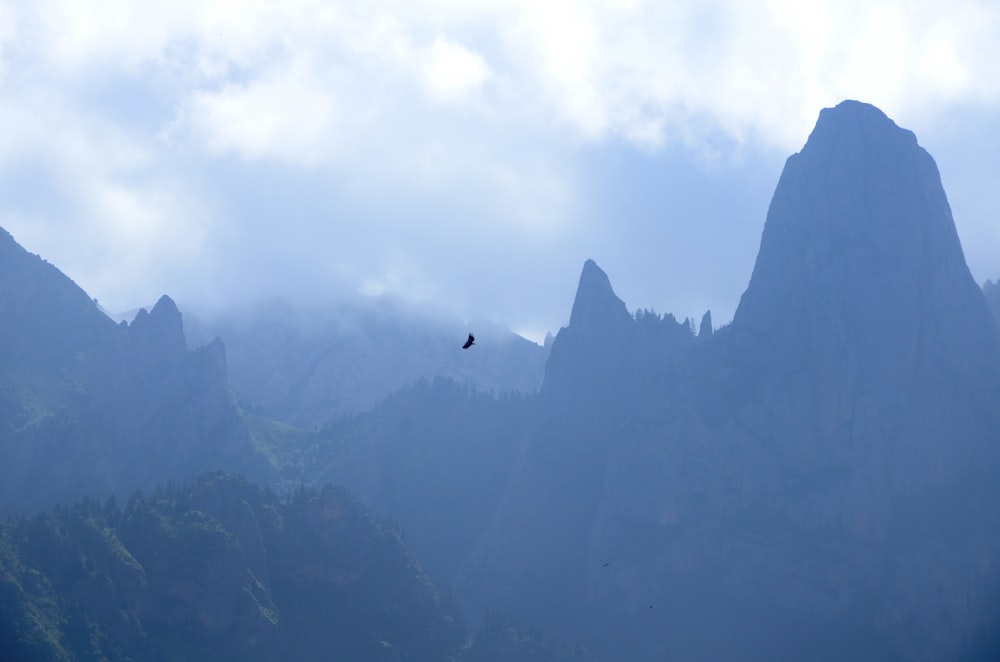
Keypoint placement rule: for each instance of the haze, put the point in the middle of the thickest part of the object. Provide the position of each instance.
(472, 156)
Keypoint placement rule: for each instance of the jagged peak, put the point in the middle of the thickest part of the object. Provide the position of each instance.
(595, 298)
(705, 329)
(860, 231)
(165, 307)
(162, 326)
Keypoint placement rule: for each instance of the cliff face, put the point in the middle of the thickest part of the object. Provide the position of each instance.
(815, 479)
(540, 542)
(860, 274)
(991, 291)
(92, 408)
(217, 569)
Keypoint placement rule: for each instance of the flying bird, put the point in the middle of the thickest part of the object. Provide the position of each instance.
(470, 342)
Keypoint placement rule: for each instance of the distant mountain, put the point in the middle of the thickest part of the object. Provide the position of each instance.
(88, 407)
(309, 366)
(218, 569)
(816, 480)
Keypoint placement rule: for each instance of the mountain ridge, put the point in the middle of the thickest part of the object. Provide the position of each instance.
(820, 450)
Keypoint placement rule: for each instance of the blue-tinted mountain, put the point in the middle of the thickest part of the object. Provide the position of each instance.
(91, 408)
(435, 457)
(308, 366)
(815, 480)
(218, 569)
(991, 291)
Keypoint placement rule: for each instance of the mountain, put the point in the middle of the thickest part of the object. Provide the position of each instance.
(90, 407)
(218, 569)
(308, 366)
(991, 291)
(815, 480)
(435, 457)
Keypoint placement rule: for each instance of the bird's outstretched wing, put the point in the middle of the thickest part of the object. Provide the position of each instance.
(470, 342)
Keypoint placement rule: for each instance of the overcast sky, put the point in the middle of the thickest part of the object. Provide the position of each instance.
(472, 154)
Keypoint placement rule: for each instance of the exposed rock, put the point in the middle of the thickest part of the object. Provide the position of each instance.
(158, 336)
(539, 544)
(705, 328)
(991, 291)
(816, 480)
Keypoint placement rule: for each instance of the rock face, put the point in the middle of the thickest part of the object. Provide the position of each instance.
(540, 543)
(815, 480)
(991, 291)
(860, 259)
(93, 408)
(218, 569)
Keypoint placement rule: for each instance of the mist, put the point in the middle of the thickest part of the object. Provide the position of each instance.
(730, 276)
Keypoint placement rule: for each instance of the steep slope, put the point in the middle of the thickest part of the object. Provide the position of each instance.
(816, 480)
(539, 544)
(49, 328)
(91, 407)
(309, 366)
(218, 569)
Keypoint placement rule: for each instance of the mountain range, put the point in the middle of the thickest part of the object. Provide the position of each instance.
(815, 479)
(308, 366)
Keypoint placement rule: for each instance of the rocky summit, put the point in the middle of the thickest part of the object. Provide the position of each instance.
(815, 480)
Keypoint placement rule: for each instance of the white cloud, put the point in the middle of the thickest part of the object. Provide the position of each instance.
(451, 71)
(458, 115)
(285, 114)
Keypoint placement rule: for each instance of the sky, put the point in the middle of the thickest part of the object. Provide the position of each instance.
(467, 154)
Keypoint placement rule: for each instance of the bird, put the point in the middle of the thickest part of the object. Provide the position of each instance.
(606, 564)
(470, 342)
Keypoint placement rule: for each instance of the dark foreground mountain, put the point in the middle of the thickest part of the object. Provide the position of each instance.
(816, 480)
(218, 569)
(308, 366)
(90, 407)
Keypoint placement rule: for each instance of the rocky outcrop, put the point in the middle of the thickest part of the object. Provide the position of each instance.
(540, 541)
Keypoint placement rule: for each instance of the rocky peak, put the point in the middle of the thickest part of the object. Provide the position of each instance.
(596, 304)
(705, 328)
(598, 327)
(159, 333)
(860, 256)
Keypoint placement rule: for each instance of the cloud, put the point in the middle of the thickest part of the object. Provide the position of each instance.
(284, 114)
(451, 72)
(364, 141)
